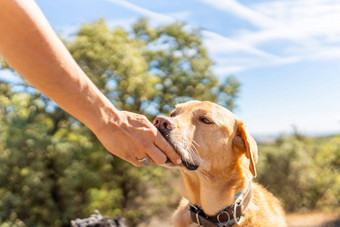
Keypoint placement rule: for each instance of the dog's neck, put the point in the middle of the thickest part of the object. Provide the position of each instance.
(213, 192)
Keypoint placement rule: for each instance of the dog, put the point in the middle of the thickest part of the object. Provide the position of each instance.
(217, 171)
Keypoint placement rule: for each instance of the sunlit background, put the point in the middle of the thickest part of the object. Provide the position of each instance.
(285, 55)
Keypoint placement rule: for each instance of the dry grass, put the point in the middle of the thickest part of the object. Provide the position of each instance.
(314, 219)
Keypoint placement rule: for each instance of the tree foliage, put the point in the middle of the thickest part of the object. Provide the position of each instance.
(150, 69)
(53, 169)
(303, 172)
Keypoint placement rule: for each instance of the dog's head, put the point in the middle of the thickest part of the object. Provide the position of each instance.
(208, 137)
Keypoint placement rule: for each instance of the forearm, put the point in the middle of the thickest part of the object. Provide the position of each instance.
(29, 45)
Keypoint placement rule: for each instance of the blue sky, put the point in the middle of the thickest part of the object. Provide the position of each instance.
(285, 53)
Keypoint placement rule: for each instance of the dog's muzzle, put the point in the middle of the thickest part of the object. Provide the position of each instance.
(165, 126)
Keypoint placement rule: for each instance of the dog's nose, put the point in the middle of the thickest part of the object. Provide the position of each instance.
(164, 124)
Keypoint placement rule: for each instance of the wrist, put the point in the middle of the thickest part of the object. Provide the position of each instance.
(105, 114)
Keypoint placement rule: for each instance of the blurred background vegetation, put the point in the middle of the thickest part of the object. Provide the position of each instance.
(53, 169)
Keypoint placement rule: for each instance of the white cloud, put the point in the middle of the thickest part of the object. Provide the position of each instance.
(324, 53)
(309, 28)
(291, 20)
(299, 21)
(216, 44)
(314, 25)
(180, 16)
(158, 17)
(232, 6)
(144, 12)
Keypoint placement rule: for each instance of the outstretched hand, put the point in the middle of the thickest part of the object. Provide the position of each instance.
(132, 137)
(33, 49)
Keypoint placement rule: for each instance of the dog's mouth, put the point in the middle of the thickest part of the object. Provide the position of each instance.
(187, 165)
(166, 134)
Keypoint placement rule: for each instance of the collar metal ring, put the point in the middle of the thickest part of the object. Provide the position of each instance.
(218, 217)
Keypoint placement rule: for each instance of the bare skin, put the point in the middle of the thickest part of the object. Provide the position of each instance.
(31, 47)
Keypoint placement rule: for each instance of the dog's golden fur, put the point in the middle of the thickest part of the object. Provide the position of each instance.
(213, 139)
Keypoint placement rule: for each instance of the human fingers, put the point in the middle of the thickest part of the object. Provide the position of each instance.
(156, 155)
(139, 155)
(135, 162)
(132, 159)
(168, 150)
(160, 149)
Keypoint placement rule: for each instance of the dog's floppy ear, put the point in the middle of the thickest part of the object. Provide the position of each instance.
(244, 141)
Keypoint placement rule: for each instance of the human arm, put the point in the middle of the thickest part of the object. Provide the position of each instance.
(31, 47)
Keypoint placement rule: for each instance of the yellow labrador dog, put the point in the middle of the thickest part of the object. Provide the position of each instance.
(219, 158)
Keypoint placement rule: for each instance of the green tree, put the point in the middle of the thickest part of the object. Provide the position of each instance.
(303, 172)
(41, 168)
(176, 54)
(53, 169)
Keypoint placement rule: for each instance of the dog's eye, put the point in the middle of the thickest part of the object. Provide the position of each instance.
(206, 120)
(172, 114)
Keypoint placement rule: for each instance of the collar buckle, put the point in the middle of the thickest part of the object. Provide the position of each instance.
(227, 217)
(237, 222)
(197, 217)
